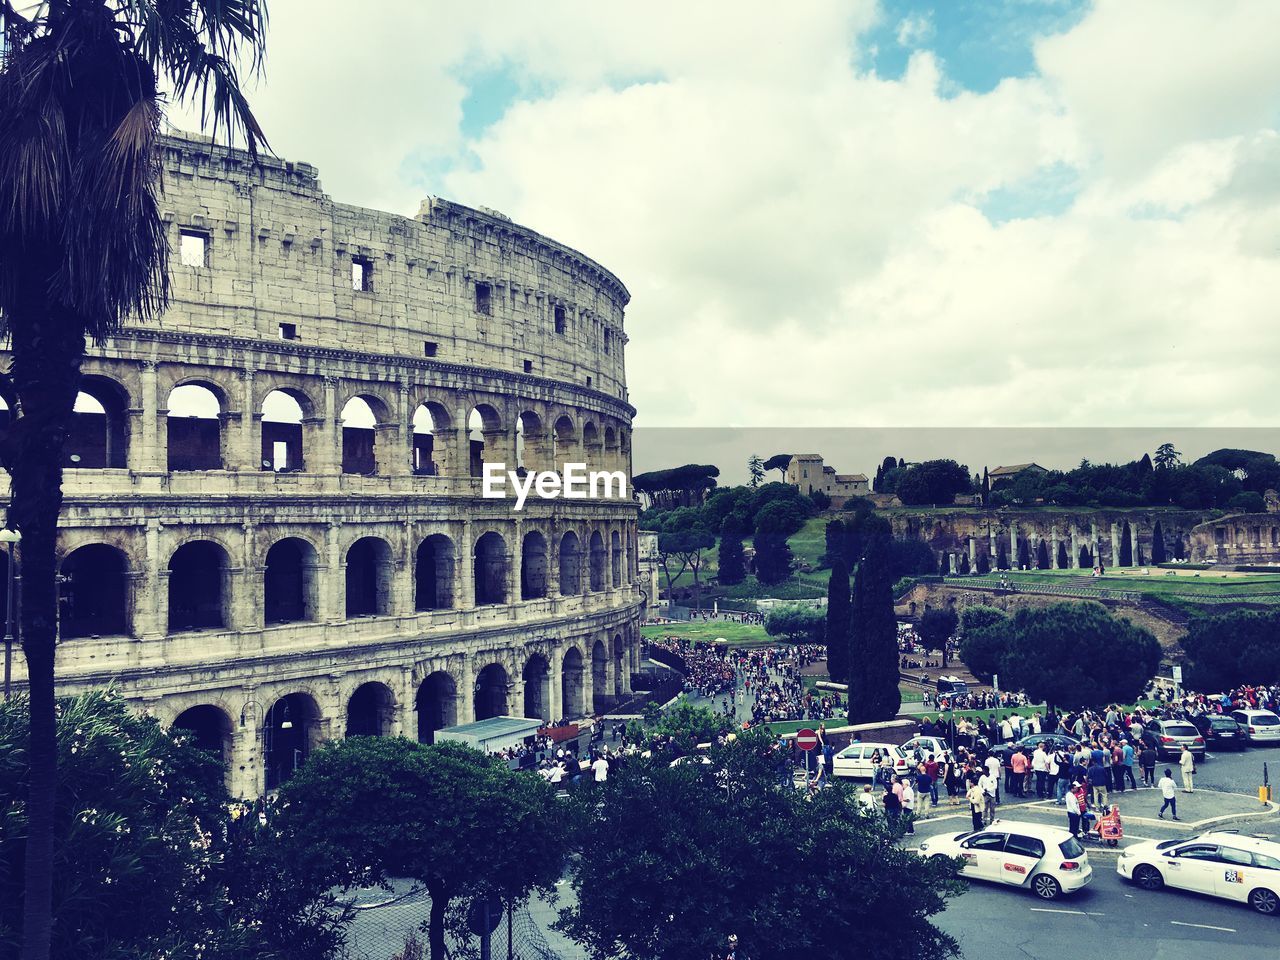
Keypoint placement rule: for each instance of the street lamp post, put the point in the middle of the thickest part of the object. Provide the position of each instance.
(10, 538)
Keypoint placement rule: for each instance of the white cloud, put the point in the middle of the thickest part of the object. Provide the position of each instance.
(800, 235)
(914, 31)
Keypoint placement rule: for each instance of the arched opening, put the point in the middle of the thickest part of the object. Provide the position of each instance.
(430, 422)
(615, 558)
(369, 572)
(433, 574)
(530, 443)
(198, 587)
(597, 561)
(194, 428)
(570, 565)
(209, 728)
(600, 688)
(490, 569)
(484, 428)
(437, 705)
(619, 666)
(290, 584)
(282, 416)
(566, 442)
(491, 692)
(291, 732)
(537, 688)
(610, 447)
(591, 445)
(93, 593)
(359, 441)
(97, 436)
(533, 566)
(571, 684)
(370, 711)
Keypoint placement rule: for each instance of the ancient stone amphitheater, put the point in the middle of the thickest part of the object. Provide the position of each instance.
(274, 532)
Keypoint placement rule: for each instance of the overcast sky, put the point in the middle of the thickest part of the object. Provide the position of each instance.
(835, 214)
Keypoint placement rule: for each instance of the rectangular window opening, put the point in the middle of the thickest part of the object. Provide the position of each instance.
(288, 331)
(193, 248)
(528, 366)
(361, 274)
(608, 339)
(588, 381)
(429, 348)
(484, 299)
(559, 314)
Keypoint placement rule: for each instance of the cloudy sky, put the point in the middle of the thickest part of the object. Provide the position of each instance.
(830, 214)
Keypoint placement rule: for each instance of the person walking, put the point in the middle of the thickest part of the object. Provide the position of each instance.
(1168, 790)
(977, 798)
(1188, 764)
(1040, 767)
(909, 805)
(1147, 759)
(1127, 759)
(1099, 783)
(1073, 810)
(990, 783)
(892, 807)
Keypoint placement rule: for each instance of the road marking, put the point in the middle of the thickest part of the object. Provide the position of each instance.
(1073, 913)
(1202, 926)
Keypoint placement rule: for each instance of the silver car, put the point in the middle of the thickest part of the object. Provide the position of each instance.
(1172, 735)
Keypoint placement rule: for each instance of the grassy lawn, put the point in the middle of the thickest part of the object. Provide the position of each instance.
(1184, 585)
(738, 634)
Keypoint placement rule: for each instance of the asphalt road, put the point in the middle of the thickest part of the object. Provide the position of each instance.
(1109, 917)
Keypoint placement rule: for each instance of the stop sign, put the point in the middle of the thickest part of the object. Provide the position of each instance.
(806, 739)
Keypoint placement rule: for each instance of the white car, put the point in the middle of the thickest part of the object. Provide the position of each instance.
(1260, 726)
(859, 760)
(1048, 861)
(925, 746)
(1220, 864)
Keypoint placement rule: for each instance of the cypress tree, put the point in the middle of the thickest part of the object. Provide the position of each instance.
(986, 486)
(1142, 561)
(835, 535)
(944, 564)
(879, 480)
(873, 651)
(964, 563)
(1024, 555)
(1126, 546)
(1042, 556)
(1063, 561)
(732, 557)
(839, 607)
(983, 563)
(1086, 558)
(773, 558)
(1158, 554)
(1002, 559)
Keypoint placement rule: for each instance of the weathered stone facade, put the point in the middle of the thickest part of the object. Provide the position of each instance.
(272, 580)
(808, 473)
(1244, 538)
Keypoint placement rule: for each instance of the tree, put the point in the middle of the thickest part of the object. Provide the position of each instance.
(1078, 654)
(1002, 558)
(1024, 555)
(142, 810)
(773, 558)
(83, 245)
(796, 624)
(642, 883)
(1126, 546)
(1228, 649)
(461, 823)
(983, 563)
(1167, 457)
(732, 558)
(834, 542)
(1144, 465)
(1247, 501)
(820, 500)
(983, 640)
(1042, 555)
(909, 557)
(1086, 558)
(1063, 561)
(937, 626)
(944, 564)
(839, 613)
(932, 482)
(986, 487)
(873, 648)
(1159, 554)
(964, 563)
(755, 467)
(685, 486)
(682, 538)
(779, 462)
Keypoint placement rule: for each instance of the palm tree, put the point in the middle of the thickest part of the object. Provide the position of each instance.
(82, 246)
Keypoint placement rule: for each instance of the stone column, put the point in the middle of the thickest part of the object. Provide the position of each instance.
(464, 570)
(556, 705)
(1055, 539)
(152, 610)
(402, 582)
(1133, 542)
(248, 596)
(1075, 548)
(334, 596)
(516, 557)
(1013, 545)
(145, 423)
(466, 692)
(973, 552)
(515, 696)
(323, 448)
(246, 454)
(1115, 544)
(1093, 540)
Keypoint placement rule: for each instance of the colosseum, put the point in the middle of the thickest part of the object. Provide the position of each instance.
(274, 532)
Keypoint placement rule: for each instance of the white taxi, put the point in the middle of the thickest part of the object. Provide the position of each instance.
(1048, 861)
(1221, 864)
(862, 760)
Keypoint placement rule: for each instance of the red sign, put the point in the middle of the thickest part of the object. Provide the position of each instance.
(806, 739)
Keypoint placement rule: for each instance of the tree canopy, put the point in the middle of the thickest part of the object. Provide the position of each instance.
(1227, 649)
(685, 486)
(933, 482)
(796, 624)
(938, 625)
(873, 648)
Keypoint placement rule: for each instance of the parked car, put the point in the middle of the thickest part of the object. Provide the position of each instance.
(858, 760)
(925, 746)
(1172, 735)
(1046, 860)
(1220, 731)
(1218, 864)
(1260, 726)
(952, 685)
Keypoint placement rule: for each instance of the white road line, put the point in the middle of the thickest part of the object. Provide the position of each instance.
(1202, 926)
(1073, 913)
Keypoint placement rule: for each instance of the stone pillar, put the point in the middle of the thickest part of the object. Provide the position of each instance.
(464, 570)
(249, 595)
(556, 705)
(992, 553)
(152, 610)
(1013, 545)
(515, 696)
(334, 596)
(1115, 544)
(1133, 542)
(1075, 548)
(402, 580)
(515, 557)
(466, 692)
(323, 448)
(1093, 541)
(145, 423)
(973, 552)
(1055, 539)
(246, 454)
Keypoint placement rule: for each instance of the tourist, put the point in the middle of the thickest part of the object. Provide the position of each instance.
(1187, 763)
(977, 798)
(1169, 791)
